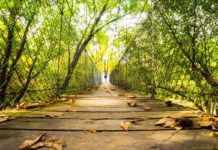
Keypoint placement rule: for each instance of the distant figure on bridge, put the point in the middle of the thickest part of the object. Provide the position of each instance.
(105, 75)
(105, 70)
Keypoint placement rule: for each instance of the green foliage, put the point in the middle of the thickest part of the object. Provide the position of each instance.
(175, 54)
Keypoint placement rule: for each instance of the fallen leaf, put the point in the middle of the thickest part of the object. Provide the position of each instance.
(213, 134)
(163, 121)
(147, 107)
(28, 143)
(38, 145)
(131, 103)
(126, 125)
(175, 123)
(207, 117)
(4, 118)
(170, 123)
(21, 105)
(54, 143)
(43, 141)
(206, 124)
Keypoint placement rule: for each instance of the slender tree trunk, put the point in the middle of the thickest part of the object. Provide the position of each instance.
(4, 67)
(5, 77)
(81, 47)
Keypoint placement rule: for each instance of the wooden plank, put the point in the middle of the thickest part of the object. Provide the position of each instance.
(104, 115)
(126, 115)
(166, 140)
(78, 124)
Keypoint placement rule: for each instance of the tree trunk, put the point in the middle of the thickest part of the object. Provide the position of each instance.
(81, 47)
(4, 67)
(5, 77)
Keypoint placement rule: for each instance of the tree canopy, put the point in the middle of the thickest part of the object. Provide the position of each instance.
(166, 49)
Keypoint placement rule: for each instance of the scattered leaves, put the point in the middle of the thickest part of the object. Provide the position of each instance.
(28, 143)
(207, 121)
(207, 117)
(4, 118)
(207, 124)
(43, 141)
(21, 105)
(175, 123)
(126, 125)
(213, 134)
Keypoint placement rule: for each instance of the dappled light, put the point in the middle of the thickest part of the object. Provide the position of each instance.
(108, 74)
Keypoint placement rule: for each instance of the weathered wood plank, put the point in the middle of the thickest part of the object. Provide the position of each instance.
(166, 140)
(78, 124)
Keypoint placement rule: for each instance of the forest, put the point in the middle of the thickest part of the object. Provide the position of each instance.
(165, 49)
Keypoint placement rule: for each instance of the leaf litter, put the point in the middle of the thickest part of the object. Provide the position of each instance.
(214, 134)
(131, 103)
(126, 125)
(43, 140)
(207, 121)
(174, 123)
(4, 118)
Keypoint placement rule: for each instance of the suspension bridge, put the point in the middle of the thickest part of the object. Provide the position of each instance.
(100, 74)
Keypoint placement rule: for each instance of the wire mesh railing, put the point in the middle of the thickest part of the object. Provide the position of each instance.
(171, 60)
(37, 41)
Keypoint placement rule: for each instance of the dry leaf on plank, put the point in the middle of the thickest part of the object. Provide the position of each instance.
(175, 123)
(28, 143)
(126, 125)
(43, 141)
(21, 106)
(4, 118)
(147, 107)
(206, 124)
(213, 134)
(131, 103)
